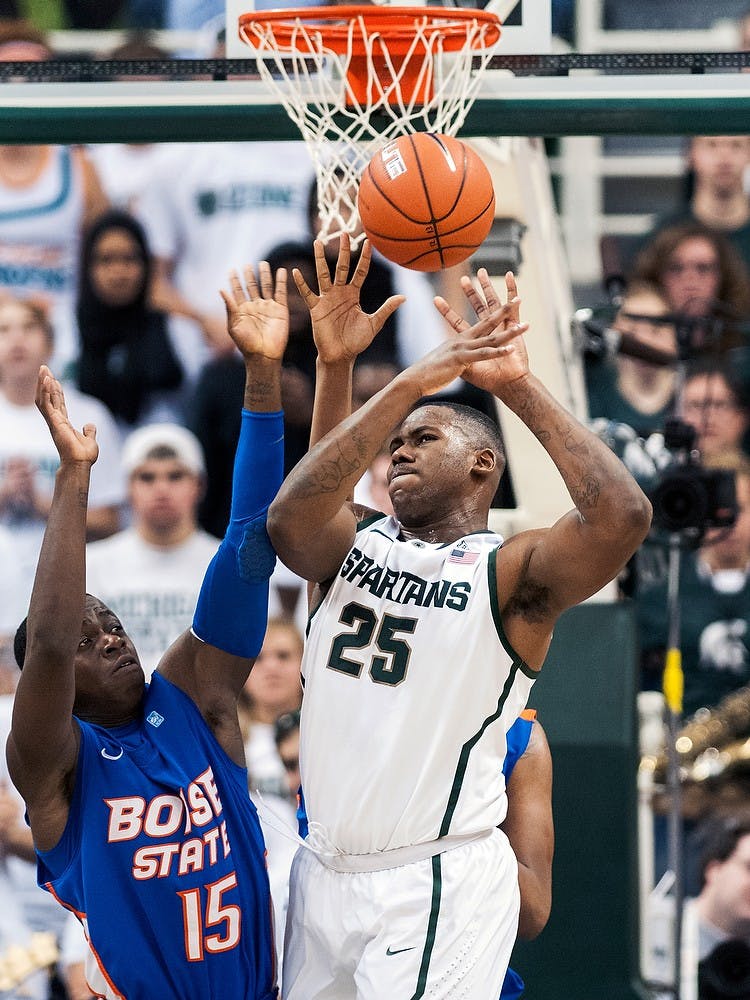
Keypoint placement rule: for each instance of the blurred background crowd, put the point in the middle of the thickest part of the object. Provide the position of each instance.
(111, 258)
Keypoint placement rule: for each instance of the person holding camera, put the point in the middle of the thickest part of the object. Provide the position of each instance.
(714, 588)
(630, 388)
(714, 402)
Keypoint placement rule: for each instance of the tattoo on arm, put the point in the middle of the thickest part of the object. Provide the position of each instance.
(362, 443)
(575, 444)
(586, 493)
(83, 498)
(327, 477)
(257, 390)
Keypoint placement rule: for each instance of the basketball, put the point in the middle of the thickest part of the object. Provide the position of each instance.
(426, 201)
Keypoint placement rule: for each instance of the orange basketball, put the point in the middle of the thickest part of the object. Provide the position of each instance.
(426, 201)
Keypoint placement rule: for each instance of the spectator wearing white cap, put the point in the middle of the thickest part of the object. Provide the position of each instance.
(150, 573)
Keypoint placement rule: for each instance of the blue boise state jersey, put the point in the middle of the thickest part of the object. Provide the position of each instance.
(163, 861)
(518, 738)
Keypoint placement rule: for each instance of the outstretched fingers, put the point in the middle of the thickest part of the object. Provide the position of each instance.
(308, 295)
(251, 282)
(49, 394)
(492, 345)
(454, 318)
(491, 297)
(321, 267)
(279, 293)
(381, 315)
(343, 261)
(512, 296)
(485, 299)
(363, 265)
(500, 319)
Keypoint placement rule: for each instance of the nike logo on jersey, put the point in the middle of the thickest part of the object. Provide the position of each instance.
(110, 756)
(397, 951)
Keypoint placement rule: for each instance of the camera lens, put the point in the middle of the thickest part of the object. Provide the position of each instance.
(680, 501)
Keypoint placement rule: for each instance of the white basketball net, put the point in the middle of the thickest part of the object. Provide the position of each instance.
(343, 132)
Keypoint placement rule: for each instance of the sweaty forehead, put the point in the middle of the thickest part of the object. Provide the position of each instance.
(94, 608)
(425, 416)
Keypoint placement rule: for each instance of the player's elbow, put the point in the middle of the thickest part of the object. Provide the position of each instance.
(636, 516)
(629, 516)
(533, 917)
(280, 527)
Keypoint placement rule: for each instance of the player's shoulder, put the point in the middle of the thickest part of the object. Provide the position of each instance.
(366, 517)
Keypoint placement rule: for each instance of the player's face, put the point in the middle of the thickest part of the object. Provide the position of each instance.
(118, 269)
(164, 495)
(379, 471)
(431, 463)
(24, 344)
(109, 677)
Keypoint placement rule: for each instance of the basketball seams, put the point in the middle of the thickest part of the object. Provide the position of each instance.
(433, 219)
(420, 201)
(448, 232)
(433, 223)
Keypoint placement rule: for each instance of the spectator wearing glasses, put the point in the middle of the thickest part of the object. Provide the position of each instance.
(713, 401)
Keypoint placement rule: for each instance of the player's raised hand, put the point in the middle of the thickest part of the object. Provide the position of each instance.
(341, 329)
(257, 313)
(511, 363)
(484, 343)
(72, 445)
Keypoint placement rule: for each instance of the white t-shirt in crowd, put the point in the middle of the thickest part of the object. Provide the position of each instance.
(24, 434)
(126, 170)
(152, 589)
(220, 206)
(25, 907)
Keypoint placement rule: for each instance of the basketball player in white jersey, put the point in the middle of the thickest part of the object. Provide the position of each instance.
(423, 648)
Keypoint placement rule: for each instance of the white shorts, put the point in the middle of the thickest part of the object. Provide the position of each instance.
(439, 928)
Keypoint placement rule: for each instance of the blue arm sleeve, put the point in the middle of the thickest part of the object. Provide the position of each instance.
(232, 609)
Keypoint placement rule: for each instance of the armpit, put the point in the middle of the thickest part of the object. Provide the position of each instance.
(531, 602)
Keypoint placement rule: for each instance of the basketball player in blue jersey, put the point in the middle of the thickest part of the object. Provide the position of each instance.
(137, 794)
(422, 650)
(529, 828)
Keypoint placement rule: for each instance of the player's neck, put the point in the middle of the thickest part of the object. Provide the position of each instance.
(444, 530)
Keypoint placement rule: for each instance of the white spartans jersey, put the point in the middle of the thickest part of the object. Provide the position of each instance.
(410, 688)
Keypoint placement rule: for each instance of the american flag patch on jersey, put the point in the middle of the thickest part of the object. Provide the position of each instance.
(463, 556)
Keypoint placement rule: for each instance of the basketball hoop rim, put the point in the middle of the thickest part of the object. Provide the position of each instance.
(395, 23)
